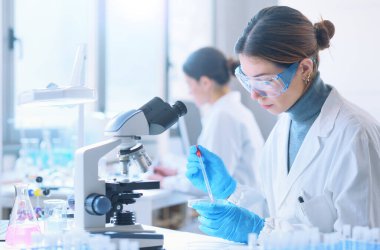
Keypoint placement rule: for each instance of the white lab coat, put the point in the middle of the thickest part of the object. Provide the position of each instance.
(336, 172)
(230, 130)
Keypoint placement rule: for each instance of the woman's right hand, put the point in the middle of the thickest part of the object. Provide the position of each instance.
(221, 182)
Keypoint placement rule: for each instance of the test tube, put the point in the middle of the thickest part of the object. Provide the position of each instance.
(375, 238)
(252, 241)
(346, 237)
(207, 183)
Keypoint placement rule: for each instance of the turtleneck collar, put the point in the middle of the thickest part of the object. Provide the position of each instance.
(310, 103)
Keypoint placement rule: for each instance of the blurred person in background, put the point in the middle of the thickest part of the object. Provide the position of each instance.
(228, 128)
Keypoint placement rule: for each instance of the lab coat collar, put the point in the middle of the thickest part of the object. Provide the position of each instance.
(322, 127)
(326, 120)
(225, 101)
(232, 96)
(309, 105)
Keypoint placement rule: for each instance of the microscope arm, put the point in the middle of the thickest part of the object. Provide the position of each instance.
(87, 180)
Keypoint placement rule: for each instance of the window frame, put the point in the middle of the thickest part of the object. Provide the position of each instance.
(9, 133)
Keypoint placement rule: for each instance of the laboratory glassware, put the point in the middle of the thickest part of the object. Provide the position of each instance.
(23, 222)
(55, 219)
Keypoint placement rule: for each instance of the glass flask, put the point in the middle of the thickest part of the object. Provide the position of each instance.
(23, 222)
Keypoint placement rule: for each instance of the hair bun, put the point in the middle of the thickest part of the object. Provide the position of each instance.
(324, 30)
(232, 64)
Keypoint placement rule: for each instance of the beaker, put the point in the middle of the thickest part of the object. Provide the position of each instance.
(23, 222)
(55, 215)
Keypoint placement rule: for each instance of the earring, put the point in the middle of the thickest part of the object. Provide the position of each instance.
(307, 80)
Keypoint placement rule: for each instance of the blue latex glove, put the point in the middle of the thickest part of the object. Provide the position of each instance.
(221, 183)
(227, 221)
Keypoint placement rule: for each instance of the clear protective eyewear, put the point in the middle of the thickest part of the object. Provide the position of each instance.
(268, 85)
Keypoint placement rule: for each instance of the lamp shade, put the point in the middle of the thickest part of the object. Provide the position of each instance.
(55, 95)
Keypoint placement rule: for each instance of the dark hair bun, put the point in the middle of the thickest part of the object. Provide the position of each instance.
(232, 65)
(324, 30)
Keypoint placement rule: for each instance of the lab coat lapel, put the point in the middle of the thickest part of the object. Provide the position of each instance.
(280, 182)
(305, 155)
(310, 146)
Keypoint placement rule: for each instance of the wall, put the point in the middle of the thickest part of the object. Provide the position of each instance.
(352, 62)
(231, 17)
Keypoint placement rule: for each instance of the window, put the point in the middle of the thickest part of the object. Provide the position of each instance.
(47, 33)
(190, 28)
(135, 53)
(138, 49)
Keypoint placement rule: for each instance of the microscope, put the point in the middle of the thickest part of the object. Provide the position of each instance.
(101, 206)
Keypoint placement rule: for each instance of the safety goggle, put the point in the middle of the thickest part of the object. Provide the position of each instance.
(267, 85)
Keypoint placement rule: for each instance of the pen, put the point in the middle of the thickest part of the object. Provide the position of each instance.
(205, 175)
(300, 199)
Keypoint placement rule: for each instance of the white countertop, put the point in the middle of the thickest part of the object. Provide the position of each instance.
(176, 240)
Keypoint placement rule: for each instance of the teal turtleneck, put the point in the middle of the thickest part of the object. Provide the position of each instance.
(303, 113)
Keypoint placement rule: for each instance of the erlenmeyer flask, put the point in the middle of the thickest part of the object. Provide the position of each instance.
(23, 222)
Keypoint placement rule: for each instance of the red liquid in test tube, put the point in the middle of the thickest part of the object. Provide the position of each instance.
(207, 183)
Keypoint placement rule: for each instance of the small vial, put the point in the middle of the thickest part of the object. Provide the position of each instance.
(124, 244)
(112, 246)
(133, 245)
(252, 241)
(37, 239)
(375, 234)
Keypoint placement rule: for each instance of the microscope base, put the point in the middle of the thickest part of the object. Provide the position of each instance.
(148, 239)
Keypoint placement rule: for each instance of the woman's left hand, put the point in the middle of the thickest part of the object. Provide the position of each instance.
(165, 171)
(227, 221)
(155, 177)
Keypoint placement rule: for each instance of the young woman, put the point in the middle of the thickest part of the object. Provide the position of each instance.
(321, 164)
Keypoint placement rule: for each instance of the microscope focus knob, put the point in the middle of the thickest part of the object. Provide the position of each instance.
(97, 204)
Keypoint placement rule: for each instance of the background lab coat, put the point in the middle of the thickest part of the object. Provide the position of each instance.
(336, 171)
(229, 130)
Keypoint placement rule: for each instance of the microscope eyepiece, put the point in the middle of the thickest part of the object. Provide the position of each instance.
(180, 108)
(161, 115)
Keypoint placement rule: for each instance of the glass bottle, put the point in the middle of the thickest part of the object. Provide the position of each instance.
(23, 222)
